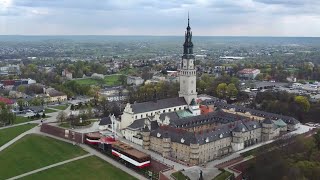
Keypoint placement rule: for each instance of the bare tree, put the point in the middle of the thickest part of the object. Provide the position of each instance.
(62, 116)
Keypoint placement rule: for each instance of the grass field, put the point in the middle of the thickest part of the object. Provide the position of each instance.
(179, 176)
(46, 111)
(65, 125)
(128, 71)
(111, 80)
(86, 168)
(21, 119)
(33, 152)
(8, 134)
(60, 107)
(223, 175)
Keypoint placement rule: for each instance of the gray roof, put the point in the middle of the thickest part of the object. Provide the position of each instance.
(137, 124)
(105, 121)
(252, 124)
(207, 136)
(213, 117)
(267, 121)
(240, 127)
(156, 105)
(171, 115)
(272, 116)
(175, 134)
(154, 125)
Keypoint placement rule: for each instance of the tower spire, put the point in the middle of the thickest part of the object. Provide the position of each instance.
(188, 19)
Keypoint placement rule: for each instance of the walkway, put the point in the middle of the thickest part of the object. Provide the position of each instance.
(33, 130)
(102, 156)
(50, 166)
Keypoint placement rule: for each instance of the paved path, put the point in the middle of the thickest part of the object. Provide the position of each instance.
(33, 130)
(50, 166)
(52, 118)
(102, 156)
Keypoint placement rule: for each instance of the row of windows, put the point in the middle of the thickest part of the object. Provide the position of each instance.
(188, 72)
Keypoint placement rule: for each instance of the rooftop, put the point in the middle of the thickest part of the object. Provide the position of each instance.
(157, 105)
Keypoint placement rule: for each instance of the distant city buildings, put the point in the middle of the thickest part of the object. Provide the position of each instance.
(248, 73)
(134, 80)
(66, 73)
(10, 69)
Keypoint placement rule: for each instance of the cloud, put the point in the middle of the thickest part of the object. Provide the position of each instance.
(159, 17)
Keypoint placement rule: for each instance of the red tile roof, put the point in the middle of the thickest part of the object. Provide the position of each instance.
(6, 100)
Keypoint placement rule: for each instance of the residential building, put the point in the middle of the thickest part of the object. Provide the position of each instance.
(133, 80)
(248, 73)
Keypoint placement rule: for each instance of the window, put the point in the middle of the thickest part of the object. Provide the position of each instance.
(164, 111)
(141, 115)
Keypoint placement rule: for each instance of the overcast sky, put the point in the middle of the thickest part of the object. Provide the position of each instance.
(160, 17)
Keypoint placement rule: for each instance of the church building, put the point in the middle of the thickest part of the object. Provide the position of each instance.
(136, 115)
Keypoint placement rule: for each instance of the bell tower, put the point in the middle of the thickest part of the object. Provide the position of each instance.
(187, 71)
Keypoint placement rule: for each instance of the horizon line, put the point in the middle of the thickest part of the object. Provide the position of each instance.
(273, 36)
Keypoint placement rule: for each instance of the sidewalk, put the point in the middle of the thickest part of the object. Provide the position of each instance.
(50, 166)
(102, 156)
(33, 130)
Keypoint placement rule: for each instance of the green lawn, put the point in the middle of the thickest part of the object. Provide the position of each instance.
(33, 152)
(87, 168)
(65, 125)
(21, 119)
(87, 81)
(223, 175)
(179, 176)
(60, 107)
(8, 134)
(128, 71)
(111, 80)
(46, 111)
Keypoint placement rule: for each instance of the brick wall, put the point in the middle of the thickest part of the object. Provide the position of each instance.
(62, 133)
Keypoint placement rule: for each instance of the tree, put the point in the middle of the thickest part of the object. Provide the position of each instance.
(6, 117)
(62, 116)
(89, 112)
(303, 102)
(317, 139)
(20, 103)
(21, 88)
(104, 106)
(232, 91)
(221, 90)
